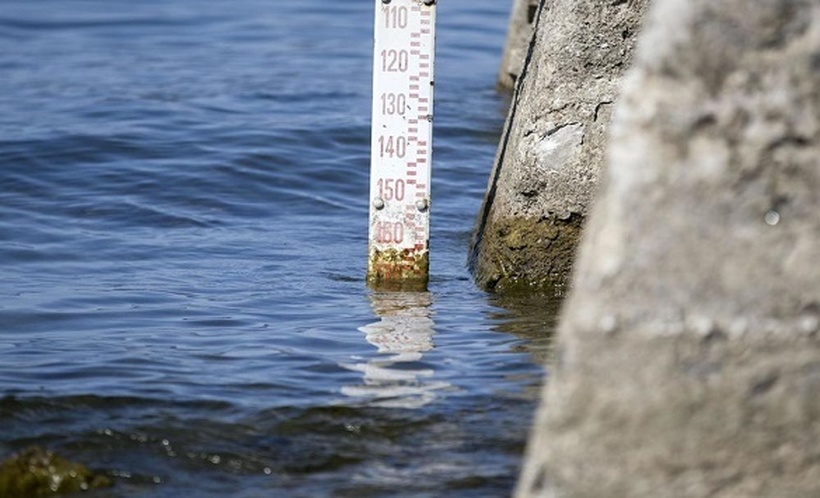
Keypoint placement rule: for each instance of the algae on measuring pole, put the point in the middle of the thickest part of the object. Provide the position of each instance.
(393, 269)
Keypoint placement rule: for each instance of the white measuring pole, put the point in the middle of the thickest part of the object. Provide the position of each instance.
(401, 144)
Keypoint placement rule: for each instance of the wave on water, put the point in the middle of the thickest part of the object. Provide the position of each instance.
(183, 217)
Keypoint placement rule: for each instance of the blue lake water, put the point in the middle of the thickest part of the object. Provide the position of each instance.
(183, 216)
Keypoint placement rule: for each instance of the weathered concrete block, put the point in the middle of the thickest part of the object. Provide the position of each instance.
(689, 350)
(519, 35)
(547, 166)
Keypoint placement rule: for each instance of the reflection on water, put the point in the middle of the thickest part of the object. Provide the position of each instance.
(531, 316)
(396, 376)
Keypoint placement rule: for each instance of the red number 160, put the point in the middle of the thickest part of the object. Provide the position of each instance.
(388, 232)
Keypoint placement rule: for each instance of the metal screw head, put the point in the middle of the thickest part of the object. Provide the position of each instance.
(386, 1)
(422, 205)
(772, 218)
(378, 203)
(427, 2)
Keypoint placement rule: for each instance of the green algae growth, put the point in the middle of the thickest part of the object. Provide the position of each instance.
(35, 473)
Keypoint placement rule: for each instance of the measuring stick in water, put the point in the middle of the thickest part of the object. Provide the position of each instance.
(401, 144)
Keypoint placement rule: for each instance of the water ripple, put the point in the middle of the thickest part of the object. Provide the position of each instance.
(183, 216)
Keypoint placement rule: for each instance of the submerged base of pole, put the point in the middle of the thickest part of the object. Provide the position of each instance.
(398, 270)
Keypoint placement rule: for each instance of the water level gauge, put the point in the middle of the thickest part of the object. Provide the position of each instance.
(401, 144)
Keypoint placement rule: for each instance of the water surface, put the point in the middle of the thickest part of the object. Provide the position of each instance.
(183, 216)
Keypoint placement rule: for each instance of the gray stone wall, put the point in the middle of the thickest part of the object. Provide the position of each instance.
(688, 356)
(547, 166)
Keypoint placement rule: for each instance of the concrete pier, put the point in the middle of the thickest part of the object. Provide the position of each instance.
(547, 166)
(688, 355)
(519, 35)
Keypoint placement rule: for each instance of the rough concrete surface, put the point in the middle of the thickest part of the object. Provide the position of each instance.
(519, 35)
(688, 358)
(547, 166)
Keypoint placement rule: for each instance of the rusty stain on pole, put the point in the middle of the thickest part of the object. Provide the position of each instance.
(401, 144)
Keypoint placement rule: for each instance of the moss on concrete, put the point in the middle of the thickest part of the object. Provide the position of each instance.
(36, 472)
(525, 254)
(547, 167)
